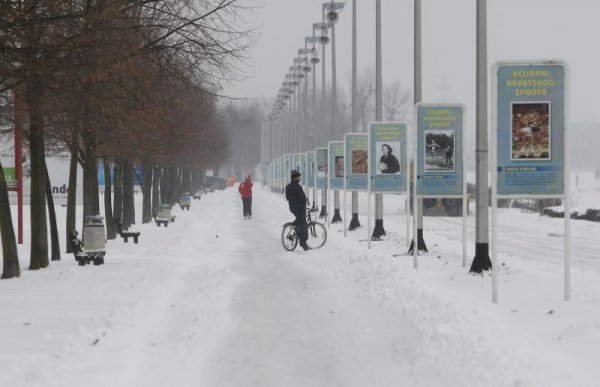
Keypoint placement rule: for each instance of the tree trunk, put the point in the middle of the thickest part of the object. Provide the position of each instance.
(132, 192)
(55, 244)
(147, 193)
(165, 196)
(37, 198)
(108, 214)
(91, 206)
(155, 193)
(72, 193)
(10, 256)
(127, 194)
(118, 199)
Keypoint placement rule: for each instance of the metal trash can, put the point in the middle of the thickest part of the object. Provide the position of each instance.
(164, 213)
(94, 237)
(185, 200)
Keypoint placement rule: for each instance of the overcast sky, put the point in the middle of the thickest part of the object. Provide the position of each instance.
(517, 30)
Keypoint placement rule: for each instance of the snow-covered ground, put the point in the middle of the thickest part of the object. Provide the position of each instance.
(214, 300)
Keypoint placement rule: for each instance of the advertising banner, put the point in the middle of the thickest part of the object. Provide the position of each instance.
(356, 149)
(322, 163)
(303, 168)
(387, 157)
(336, 165)
(439, 152)
(310, 169)
(530, 127)
(296, 164)
(287, 166)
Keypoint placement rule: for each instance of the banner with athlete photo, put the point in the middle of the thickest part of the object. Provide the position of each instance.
(530, 128)
(303, 168)
(336, 165)
(310, 169)
(356, 147)
(387, 157)
(322, 163)
(439, 150)
(7, 157)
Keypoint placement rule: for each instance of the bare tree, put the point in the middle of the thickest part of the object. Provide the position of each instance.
(397, 102)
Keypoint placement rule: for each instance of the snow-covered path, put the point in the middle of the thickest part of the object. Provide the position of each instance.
(214, 300)
(294, 327)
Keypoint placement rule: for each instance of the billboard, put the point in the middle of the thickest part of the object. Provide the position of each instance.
(439, 151)
(322, 167)
(356, 149)
(530, 128)
(336, 165)
(388, 158)
(310, 169)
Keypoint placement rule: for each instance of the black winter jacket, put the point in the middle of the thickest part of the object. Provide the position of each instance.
(295, 197)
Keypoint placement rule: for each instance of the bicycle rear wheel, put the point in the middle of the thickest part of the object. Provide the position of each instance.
(317, 235)
(289, 240)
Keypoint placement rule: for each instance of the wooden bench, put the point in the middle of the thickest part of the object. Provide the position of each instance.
(81, 256)
(126, 234)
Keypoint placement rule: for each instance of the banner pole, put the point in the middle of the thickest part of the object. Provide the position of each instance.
(345, 215)
(369, 218)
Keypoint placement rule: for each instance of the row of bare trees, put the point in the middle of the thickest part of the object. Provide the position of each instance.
(119, 80)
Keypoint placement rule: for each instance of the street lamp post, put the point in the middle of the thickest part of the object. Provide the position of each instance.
(354, 222)
(331, 14)
(378, 230)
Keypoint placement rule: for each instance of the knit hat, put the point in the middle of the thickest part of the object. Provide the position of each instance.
(294, 174)
(248, 178)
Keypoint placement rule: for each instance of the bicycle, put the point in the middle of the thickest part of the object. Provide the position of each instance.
(317, 234)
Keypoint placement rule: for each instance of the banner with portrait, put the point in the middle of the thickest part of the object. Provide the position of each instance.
(310, 169)
(439, 149)
(336, 165)
(356, 149)
(530, 128)
(322, 166)
(388, 158)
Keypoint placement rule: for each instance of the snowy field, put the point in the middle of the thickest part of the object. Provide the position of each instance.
(214, 300)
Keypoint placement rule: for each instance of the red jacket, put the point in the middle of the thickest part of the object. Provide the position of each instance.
(245, 189)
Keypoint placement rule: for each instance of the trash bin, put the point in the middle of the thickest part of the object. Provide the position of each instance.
(94, 238)
(185, 201)
(164, 213)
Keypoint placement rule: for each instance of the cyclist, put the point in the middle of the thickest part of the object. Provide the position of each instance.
(297, 202)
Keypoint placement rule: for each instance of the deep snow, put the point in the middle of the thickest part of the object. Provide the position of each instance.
(214, 300)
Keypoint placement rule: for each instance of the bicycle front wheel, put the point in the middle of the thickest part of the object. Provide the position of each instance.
(289, 240)
(317, 235)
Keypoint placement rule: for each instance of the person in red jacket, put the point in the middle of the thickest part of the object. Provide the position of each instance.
(245, 190)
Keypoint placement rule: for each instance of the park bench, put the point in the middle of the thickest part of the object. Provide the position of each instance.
(81, 255)
(126, 234)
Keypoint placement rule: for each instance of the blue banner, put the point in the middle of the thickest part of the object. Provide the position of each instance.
(287, 167)
(356, 149)
(387, 157)
(321, 156)
(336, 165)
(439, 150)
(530, 118)
(310, 169)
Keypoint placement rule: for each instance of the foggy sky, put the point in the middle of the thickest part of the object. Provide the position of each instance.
(517, 30)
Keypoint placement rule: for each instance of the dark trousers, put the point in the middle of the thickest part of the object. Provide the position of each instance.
(301, 224)
(247, 204)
